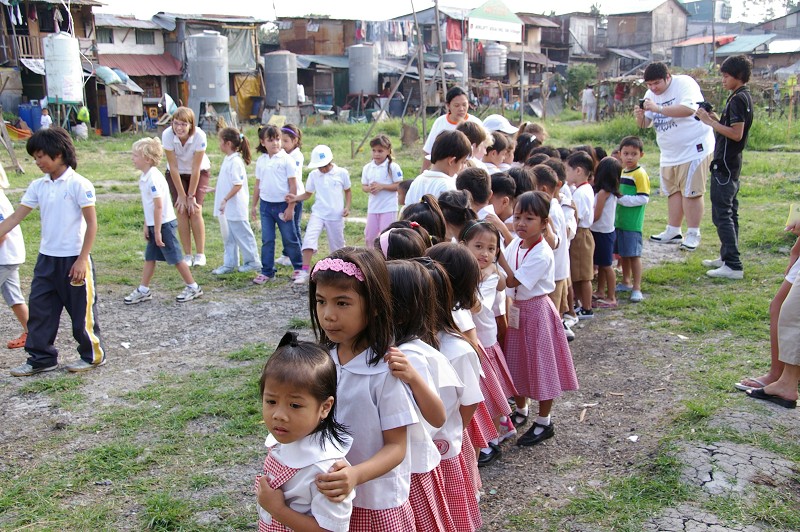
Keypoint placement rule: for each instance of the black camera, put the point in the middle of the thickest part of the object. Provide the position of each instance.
(706, 106)
(641, 103)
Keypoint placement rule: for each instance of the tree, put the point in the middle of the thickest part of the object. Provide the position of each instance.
(577, 78)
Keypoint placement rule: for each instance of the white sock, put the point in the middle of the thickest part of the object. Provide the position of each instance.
(144, 289)
(693, 231)
(193, 286)
(522, 411)
(487, 450)
(541, 421)
(673, 230)
(495, 441)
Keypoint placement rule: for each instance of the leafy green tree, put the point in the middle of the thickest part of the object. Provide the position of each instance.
(577, 78)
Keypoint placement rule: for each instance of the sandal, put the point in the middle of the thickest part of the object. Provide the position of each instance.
(744, 387)
(602, 303)
(17, 343)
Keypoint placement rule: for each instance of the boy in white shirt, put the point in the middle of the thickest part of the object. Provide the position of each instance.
(160, 224)
(580, 168)
(450, 150)
(331, 184)
(46, 120)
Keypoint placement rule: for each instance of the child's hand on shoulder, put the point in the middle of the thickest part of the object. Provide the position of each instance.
(400, 366)
(271, 500)
(338, 482)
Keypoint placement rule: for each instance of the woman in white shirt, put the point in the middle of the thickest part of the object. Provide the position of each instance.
(457, 112)
(188, 176)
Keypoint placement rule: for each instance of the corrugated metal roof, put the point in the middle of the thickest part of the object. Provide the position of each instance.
(706, 39)
(426, 16)
(143, 64)
(333, 61)
(784, 46)
(74, 2)
(534, 58)
(106, 20)
(745, 44)
(642, 6)
(168, 20)
(625, 52)
(534, 20)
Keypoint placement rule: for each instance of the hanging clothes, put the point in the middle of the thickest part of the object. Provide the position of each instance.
(453, 35)
(58, 18)
(32, 15)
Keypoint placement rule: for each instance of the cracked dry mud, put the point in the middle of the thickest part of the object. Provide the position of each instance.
(630, 386)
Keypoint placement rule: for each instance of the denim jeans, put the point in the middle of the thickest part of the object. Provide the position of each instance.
(298, 216)
(725, 210)
(269, 218)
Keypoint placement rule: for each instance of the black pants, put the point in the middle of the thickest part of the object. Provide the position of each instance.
(725, 210)
(51, 292)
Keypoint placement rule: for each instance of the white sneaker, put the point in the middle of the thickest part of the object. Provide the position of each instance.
(283, 260)
(724, 272)
(666, 237)
(570, 320)
(300, 276)
(199, 260)
(189, 260)
(256, 266)
(188, 294)
(569, 334)
(637, 296)
(691, 241)
(222, 270)
(713, 263)
(138, 296)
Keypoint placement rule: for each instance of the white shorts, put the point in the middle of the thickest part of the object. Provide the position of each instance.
(333, 228)
(793, 272)
(9, 285)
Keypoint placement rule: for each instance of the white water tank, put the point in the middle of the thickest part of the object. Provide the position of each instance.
(280, 78)
(207, 68)
(63, 70)
(363, 66)
(495, 60)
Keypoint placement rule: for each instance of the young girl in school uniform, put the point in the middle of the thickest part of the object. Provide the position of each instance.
(298, 390)
(536, 346)
(380, 179)
(434, 384)
(292, 141)
(351, 314)
(458, 465)
(465, 275)
(230, 204)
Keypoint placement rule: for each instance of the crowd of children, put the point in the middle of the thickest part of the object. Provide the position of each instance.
(433, 339)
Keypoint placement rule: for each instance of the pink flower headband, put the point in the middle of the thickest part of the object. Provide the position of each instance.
(338, 265)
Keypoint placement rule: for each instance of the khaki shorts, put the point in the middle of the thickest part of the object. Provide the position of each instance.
(581, 251)
(688, 178)
(559, 296)
(789, 328)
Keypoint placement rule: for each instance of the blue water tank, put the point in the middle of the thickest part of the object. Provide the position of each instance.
(36, 117)
(24, 112)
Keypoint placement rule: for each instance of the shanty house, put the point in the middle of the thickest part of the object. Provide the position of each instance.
(651, 30)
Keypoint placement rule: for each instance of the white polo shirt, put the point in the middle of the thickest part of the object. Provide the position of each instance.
(12, 249)
(232, 172)
(184, 151)
(328, 192)
(273, 173)
(152, 185)
(60, 203)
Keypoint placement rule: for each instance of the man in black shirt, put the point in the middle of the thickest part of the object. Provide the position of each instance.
(731, 131)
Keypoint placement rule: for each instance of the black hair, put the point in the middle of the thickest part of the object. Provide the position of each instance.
(581, 159)
(475, 132)
(237, 140)
(558, 167)
(563, 153)
(453, 93)
(269, 133)
(535, 159)
(426, 212)
(656, 71)
(525, 143)
(414, 226)
(53, 141)
(474, 228)
(547, 150)
(607, 176)
(450, 144)
(402, 243)
(503, 185)
(499, 142)
(600, 152)
(589, 151)
(738, 67)
(632, 142)
(523, 179)
(545, 176)
(412, 306)
(308, 367)
(463, 269)
(536, 203)
(374, 291)
(477, 182)
(405, 184)
(456, 207)
(293, 131)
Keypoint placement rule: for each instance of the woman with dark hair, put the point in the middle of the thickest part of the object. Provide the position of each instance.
(457, 104)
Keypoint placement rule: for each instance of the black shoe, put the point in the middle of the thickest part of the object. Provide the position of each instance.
(518, 419)
(529, 438)
(485, 459)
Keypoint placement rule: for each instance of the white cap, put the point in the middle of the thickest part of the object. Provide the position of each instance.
(320, 156)
(499, 123)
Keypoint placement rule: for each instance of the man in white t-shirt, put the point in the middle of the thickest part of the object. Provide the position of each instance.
(687, 146)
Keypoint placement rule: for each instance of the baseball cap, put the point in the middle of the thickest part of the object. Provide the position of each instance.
(499, 123)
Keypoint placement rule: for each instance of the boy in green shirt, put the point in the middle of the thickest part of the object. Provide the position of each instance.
(635, 190)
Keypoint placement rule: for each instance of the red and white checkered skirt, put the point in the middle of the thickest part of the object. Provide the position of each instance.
(429, 502)
(496, 358)
(493, 395)
(389, 520)
(481, 427)
(461, 498)
(278, 474)
(537, 353)
(471, 459)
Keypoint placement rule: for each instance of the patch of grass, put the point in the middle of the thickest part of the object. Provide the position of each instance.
(163, 511)
(252, 352)
(772, 507)
(54, 385)
(299, 323)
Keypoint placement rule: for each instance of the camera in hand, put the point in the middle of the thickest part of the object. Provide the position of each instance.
(641, 103)
(706, 106)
